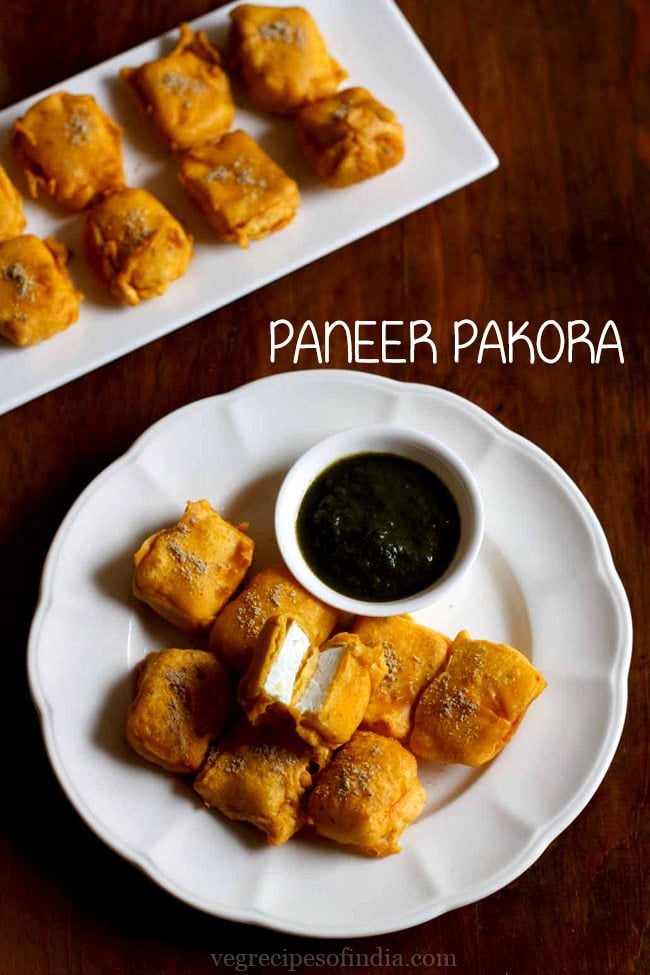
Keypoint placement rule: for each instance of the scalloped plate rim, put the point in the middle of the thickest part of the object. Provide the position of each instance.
(539, 840)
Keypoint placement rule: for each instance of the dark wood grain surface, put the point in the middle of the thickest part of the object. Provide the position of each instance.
(559, 231)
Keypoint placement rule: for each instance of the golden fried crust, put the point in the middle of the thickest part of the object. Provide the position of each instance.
(12, 219)
(272, 592)
(189, 571)
(367, 795)
(259, 777)
(414, 655)
(350, 137)
(282, 57)
(182, 704)
(469, 712)
(187, 93)
(37, 298)
(332, 718)
(242, 192)
(259, 700)
(70, 149)
(134, 245)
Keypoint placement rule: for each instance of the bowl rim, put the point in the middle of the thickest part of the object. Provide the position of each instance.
(405, 442)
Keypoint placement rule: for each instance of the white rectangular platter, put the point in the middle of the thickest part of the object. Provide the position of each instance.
(375, 43)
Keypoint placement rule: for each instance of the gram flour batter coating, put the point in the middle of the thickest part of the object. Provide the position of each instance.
(367, 795)
(473, 708)
(272, 592)
(186, 93)
(134, 245)
(37, 298)
(182, 704)
(282, 57)
(189, 571)
(69, 149)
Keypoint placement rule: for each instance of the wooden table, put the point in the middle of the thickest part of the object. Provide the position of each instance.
(559, 231)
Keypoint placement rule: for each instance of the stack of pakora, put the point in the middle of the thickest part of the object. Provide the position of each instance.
(243, 193)
(70, 151)
(346, 136)
(288, 721)
(37, 297)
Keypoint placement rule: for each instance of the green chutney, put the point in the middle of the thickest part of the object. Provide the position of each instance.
(378, 527)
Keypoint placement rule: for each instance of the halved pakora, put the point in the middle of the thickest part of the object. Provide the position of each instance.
(282, 57)
(182, 704)
(473, 708)
(186, 93)
(259, 777)
(189, 571)
(69, 149)
(335, 697)
(272, 592)
(134, 245)
(367, 795)
(349, 137)
(243, 194)
(37, 298)
(12, 219)
(280, 664)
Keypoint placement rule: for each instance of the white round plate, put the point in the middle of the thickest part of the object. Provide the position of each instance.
(543, 581)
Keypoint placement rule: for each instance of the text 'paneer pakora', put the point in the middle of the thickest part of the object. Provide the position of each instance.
(37, 298)
(182, 704)
(189, 571)
(134, 245)
(282, 57)
(186, 93)
(243, 194)
(69, 149)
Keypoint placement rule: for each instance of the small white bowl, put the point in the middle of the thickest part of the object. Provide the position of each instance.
(381, 438)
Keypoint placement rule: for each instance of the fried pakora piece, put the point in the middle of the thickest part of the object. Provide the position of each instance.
(189, 571)
(186, 93)
(70, 149)
(12, 219)
(280, 663)
(37, 298)
(182, 704)
(134, 245)
(472, 709)
(367, 795)
(414, 654)
(260, 777)
(350, 137)
(243, 194)
(272, 592)
(282, 57)
(336, 694)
